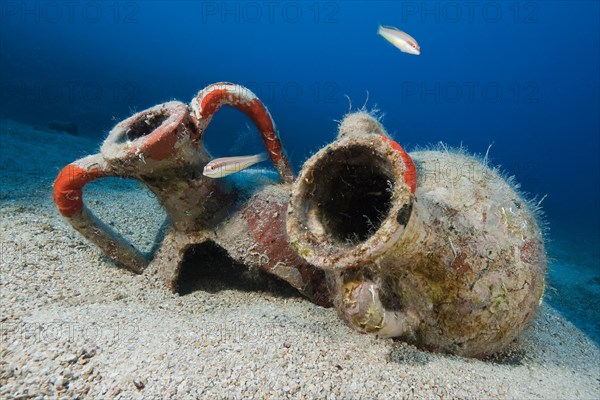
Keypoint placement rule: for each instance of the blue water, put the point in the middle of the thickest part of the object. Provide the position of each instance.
(521, 75)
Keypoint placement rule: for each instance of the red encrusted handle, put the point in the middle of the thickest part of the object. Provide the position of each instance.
(68, 196)
(410, 176)
(68, 186)
(210, 99)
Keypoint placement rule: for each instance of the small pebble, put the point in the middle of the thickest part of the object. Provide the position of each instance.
(60, 381)
(67, 358)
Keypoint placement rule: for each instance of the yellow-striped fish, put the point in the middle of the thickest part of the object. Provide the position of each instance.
(220, 167)
(400, 39)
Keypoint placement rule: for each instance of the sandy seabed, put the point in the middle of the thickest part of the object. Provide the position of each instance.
(73, 325)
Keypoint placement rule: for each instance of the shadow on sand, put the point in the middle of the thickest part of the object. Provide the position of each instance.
(208, 267)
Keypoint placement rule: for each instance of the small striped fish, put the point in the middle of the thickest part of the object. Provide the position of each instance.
(400, 39)
(221, 167)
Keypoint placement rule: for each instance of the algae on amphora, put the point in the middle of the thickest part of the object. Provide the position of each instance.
(456, 264)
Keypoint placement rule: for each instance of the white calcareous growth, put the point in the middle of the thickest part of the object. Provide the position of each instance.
(400, 39)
